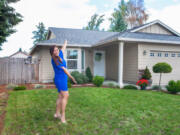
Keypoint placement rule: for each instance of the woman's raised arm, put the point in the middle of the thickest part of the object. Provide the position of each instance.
(64, 46)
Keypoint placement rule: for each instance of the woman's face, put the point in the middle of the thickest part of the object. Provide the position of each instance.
(56, 51)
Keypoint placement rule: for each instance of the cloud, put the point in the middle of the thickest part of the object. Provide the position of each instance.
(56, 13)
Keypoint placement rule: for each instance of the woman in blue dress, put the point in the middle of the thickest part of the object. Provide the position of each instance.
(61, 75)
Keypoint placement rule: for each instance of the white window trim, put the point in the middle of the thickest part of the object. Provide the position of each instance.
(78, 59)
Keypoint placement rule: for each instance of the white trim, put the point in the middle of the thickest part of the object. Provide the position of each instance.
(50, 44)
(80, 45)
(120, 63)
(148, 40)
(157, 22)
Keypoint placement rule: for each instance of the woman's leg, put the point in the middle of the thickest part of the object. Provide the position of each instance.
(65, 96)
(58, 104)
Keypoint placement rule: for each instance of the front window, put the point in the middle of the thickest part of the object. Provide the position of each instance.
(72, 59)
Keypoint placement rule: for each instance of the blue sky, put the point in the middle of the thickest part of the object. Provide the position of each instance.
(76, 14)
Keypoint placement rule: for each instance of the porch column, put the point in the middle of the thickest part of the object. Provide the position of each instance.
(120, 63)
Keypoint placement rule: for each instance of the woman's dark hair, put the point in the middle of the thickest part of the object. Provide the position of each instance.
(55, 58)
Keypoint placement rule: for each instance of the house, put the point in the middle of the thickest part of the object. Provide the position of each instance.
(19, 54)
(116, 56)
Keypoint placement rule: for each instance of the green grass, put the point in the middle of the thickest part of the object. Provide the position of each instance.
(93, 111)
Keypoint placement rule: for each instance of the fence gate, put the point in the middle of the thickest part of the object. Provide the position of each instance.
(19, 70)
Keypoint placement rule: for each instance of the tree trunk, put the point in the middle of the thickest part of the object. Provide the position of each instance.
(160, 81)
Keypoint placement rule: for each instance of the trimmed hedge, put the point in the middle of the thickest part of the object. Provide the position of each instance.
(98, 80)
(130, 87)
(22, 87)
(173, 86)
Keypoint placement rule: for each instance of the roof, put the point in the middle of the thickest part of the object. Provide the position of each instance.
(76, 36)
(25, 53)
(90, 38)
(141, 37)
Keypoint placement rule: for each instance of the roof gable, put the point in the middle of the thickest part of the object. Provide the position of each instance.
(156, 27)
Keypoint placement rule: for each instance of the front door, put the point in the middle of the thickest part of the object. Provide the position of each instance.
(99, 63)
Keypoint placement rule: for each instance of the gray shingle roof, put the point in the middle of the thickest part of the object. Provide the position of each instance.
(77, 36)
(90, 38)
(143, 36)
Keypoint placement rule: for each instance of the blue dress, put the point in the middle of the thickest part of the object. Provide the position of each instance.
(60, 77)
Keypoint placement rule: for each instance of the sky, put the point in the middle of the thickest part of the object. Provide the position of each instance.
(76, 14)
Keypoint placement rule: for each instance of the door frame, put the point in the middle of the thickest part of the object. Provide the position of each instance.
(104, 52)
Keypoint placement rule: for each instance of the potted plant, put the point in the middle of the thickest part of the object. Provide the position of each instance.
(147, 75)
(143, 83)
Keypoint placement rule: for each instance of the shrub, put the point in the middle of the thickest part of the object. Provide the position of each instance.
(130, 87)
(117, 86)
(84, 78)
(162, 68)
(22, 87)
(156, 87)
(89, 74)
(173, 87)
(11, 86)
(98, 80)
(79, 77)
(146, 74)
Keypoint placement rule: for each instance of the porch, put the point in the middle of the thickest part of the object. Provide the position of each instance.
(120, 62)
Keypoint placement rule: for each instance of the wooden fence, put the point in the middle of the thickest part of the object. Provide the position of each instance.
(19, 70)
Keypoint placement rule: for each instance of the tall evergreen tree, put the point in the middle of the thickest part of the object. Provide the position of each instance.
(95, 22)
(39, 34)
(8, 19)
(117, 20)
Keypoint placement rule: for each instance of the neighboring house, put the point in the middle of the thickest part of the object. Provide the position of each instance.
(19, 54)
(116, 56)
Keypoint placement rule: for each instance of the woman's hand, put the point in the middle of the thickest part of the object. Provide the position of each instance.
(72, 78)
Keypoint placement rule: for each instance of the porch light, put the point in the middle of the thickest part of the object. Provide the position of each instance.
(144, 52)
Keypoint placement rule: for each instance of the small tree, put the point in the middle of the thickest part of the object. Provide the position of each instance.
(89, 74)
(146, 74)
(162, 68)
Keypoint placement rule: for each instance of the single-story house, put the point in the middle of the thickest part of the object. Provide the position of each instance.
(118, 56)
(19, 54)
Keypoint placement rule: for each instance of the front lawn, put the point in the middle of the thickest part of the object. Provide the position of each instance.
(93, 111)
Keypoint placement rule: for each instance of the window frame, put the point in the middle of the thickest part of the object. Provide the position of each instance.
(67, 59)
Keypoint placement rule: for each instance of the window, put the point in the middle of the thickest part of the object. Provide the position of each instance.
(159, 54)
(152, 54)
(178, 54)
(173, 55)
(72, 59)
(82, 59)
(166, 55)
